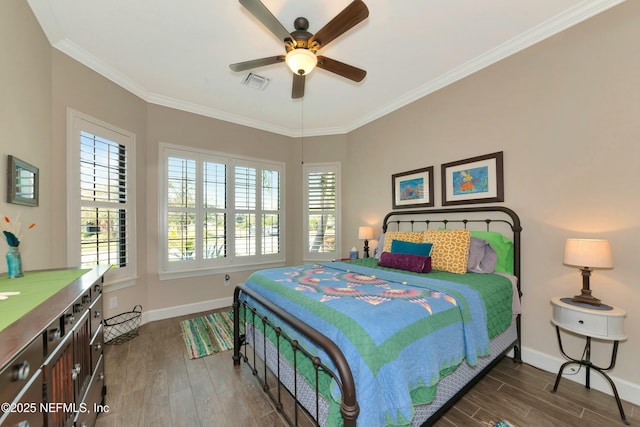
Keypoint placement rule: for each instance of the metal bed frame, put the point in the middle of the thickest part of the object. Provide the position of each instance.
(411, 220)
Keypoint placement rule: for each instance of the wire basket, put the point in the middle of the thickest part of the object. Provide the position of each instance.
(122, 327)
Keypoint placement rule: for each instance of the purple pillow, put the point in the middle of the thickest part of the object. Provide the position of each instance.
(408, 262)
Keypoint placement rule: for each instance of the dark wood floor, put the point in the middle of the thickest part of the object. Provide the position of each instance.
(152, 382)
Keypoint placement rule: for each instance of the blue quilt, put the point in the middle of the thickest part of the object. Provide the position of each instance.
(397, 336)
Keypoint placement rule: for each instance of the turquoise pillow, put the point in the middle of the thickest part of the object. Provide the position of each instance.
(402, 247)
(503, 247)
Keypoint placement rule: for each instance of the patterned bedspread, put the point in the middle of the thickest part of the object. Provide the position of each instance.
(400, 333)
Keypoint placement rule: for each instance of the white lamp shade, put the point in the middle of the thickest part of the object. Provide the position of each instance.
(592, 253)
(365, 233)
(301, 61)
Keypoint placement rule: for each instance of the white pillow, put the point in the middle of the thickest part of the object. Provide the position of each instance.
(378, 250)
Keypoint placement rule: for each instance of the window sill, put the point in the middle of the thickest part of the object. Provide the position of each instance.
(170, 275)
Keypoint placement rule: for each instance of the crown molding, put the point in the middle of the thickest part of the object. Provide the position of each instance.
(559, 23)
(569, 18)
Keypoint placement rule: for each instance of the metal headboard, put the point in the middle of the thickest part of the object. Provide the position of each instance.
(486, 218)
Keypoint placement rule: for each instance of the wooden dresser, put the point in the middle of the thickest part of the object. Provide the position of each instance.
(51, 349)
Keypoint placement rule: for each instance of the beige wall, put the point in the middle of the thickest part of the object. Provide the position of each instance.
(25, 126)
(78, 88)
(565, 112)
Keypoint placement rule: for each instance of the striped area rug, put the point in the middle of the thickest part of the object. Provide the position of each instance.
(208, 334)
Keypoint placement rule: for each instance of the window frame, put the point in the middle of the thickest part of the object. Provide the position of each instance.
(78, 122)
(308, 168)
(231, 263)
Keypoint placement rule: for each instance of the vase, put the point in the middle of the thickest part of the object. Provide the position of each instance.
(14, 263)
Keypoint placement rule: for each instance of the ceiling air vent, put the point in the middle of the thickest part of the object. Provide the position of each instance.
(255, 81)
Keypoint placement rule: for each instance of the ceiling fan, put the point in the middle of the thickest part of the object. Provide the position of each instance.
(301, 46)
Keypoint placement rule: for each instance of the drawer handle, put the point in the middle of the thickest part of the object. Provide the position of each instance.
(21, 371)
(97, 314)
(75, 371)
(96, 288)
(97, 347)
(54, 334)
(101, 376)
(70, 318)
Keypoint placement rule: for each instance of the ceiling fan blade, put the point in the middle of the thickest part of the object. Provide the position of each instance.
(298, 86)
(260, 11)
(255, 63)
(342, 69)
(350, 16)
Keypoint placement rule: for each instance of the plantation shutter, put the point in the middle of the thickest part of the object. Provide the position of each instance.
(322, 207)
(245, 207)
(104, 202)
(181, 212)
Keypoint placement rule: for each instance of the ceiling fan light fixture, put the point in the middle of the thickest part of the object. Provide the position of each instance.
(301, 61)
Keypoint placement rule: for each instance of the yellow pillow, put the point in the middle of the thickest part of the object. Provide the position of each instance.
(407, 236)
(450, 249)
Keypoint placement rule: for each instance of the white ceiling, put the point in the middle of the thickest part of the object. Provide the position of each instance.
(176, 53)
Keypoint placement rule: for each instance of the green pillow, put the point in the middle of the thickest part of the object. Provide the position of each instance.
(503, 247)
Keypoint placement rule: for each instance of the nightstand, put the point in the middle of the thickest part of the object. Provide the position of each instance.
(602, 322)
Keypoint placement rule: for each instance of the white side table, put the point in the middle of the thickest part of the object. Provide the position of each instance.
(601, 322)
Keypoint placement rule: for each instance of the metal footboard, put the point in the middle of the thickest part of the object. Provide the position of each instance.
(242, 311)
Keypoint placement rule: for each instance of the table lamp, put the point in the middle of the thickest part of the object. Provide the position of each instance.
(366, 234)
(587, 254)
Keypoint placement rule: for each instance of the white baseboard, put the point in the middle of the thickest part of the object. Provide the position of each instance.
(182, 310)
(627, 390)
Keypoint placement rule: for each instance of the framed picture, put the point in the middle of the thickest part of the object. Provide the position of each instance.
(475, 180)
(22, 182)
(413, 189)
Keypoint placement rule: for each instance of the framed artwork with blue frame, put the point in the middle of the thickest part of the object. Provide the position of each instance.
(475, 180)
(413, 189)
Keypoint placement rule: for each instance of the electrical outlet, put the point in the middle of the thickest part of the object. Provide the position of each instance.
(113, 302)
(227, 280)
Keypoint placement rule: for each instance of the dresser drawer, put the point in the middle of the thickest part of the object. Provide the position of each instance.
(26, 409)
(97, 344)
(94, 399)
(96, 314)
(17, 373)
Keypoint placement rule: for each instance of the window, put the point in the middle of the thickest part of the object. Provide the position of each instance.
(322, 211)
(101, 218)
(219, 212)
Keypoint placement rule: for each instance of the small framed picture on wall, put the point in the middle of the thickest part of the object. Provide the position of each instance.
(474, 180)
(413, 189)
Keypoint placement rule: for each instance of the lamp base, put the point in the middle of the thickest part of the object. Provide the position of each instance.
(586, 298)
